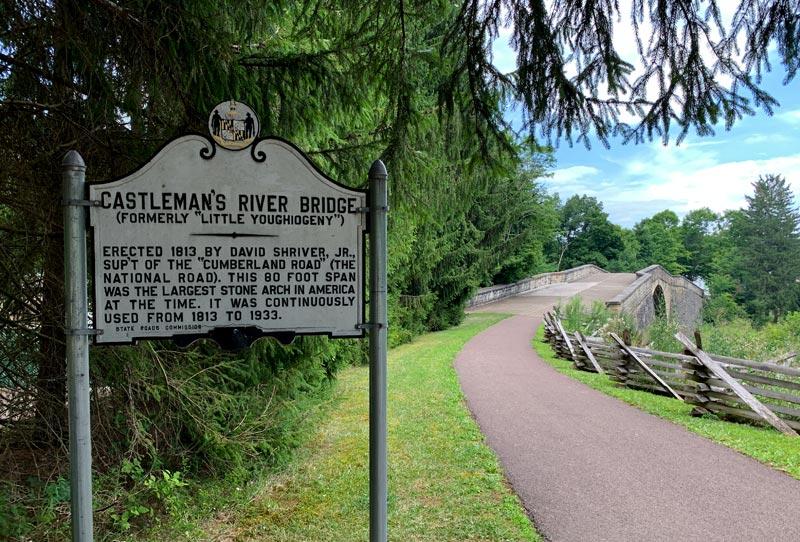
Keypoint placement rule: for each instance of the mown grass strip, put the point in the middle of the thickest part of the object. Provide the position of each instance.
(445, 483)
(764, 444)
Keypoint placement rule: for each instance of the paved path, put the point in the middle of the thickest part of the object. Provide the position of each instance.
(591, 468)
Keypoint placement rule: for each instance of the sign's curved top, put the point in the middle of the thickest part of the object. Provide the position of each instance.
(200, 239)
(233, 125)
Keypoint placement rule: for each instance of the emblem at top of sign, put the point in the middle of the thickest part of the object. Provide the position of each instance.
(233, 125)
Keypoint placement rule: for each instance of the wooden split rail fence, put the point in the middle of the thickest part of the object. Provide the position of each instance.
(731, 388)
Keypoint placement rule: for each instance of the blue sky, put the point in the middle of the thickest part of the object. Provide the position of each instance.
(637, 181)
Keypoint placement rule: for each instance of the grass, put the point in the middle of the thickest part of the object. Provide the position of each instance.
(445, 483)
(764, 444)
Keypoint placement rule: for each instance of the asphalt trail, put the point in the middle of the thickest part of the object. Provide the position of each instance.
(591, 468)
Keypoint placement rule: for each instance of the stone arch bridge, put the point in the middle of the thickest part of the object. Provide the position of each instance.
(643, 295)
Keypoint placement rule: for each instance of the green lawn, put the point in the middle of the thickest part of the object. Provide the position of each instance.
(763, 444)
(445, 483)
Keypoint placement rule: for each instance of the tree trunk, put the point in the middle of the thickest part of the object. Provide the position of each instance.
(51, 380)
(561, 256)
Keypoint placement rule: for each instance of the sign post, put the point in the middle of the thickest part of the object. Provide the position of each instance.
(230, 237)
(378, 481)
(77, 338)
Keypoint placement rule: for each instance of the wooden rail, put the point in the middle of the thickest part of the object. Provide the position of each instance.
(650, 372)
(736, 388)
(732, 388)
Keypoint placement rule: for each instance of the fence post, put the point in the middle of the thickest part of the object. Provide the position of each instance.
(548, 328)
(698, 339)
(624, 364)
(697, 376)
(588, 352)
(568, 350)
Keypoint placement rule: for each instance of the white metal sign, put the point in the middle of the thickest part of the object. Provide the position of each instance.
(202, 238)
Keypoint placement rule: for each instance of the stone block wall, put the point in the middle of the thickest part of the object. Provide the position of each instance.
(683, 298)
(494, 293)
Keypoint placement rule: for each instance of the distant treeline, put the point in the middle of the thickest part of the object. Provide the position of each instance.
(747, 259)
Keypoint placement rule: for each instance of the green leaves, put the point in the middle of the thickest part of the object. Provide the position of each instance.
(660, 242)
(586, 235)
(766, 236)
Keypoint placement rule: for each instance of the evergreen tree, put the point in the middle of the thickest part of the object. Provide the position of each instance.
(574, 82)
(348, 82)
(766, 236)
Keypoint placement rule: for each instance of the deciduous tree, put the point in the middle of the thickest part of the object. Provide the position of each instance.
(586, 235)
(697, 232)
(660, 242)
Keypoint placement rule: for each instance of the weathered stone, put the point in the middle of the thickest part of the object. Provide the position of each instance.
(494, 293)
(683, 299)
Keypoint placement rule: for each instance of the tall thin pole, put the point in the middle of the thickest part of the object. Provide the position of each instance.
(378, 480)
(73, 171)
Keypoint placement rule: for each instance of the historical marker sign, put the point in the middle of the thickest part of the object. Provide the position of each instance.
(203, 240)
(203, 237)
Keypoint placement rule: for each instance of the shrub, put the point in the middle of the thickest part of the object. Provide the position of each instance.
(721, 308)
(596, 320)
(588, 320)
(660, 335)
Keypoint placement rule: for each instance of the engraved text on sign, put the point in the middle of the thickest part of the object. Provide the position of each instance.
(187, 244)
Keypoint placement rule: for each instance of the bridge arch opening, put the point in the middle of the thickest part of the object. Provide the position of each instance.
(659, 302)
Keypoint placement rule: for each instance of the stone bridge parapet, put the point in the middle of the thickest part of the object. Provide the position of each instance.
(495, 293)
(653, 292)
(657, 292)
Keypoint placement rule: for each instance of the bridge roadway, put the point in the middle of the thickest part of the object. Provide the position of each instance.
(588, 467)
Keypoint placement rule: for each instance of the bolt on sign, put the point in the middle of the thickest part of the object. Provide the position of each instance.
(208, 238)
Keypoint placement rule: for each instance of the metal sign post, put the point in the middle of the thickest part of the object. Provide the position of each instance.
(77, 337)
(230, 237)
(378, 480)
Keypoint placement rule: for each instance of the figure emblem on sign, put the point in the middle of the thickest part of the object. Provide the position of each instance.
(233, 125)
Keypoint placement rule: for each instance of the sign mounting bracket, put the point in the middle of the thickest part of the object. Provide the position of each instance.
(370, 325)
(82, 332)
(81, 203)
(366, 210)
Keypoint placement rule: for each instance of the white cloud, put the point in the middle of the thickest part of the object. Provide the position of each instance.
(660, 160)
(504, 57)
(757, 139)
(681, 178)
(791, 117)
(572, 174)
(702, 183)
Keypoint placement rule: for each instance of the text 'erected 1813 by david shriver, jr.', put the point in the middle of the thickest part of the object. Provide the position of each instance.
(151, 288)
